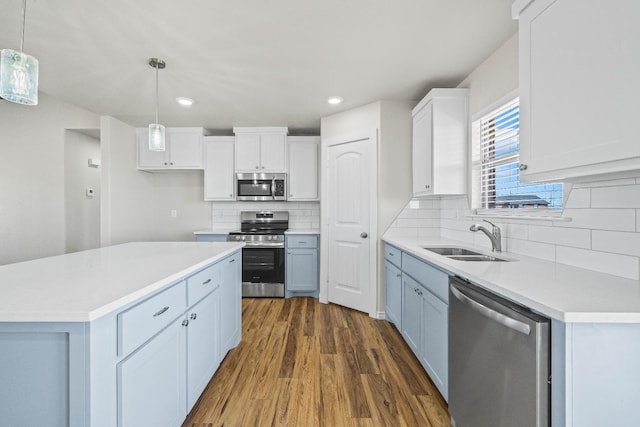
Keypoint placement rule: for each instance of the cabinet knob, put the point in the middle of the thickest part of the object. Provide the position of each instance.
(257, 167)
(398, 275)
(419, 292)
(185, 322)
(289, 252)
(165, 163)
(364, 235)
(193, 316)
(263, 167)
(171, 163)
(230, 195)
(427, 186)
(523, 167)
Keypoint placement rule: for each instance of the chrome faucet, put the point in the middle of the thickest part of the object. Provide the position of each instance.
(494, 235)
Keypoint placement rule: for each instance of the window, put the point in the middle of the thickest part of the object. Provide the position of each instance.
(497, 167)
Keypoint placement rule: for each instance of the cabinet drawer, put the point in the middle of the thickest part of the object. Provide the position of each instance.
(202, 283)
(392, 254)
(300, 241)
(139, 323)
(430, 277)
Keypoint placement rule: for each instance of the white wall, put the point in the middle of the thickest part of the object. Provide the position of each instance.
(600, 226)
(127, 209)
(32, 213)
(184, 193)
(82, 213)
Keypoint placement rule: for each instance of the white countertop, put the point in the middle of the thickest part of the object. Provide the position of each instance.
(84, 286)
(303, 231)
(217, 230)
(562, 292)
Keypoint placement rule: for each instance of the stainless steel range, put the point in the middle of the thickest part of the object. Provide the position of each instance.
(263, 256)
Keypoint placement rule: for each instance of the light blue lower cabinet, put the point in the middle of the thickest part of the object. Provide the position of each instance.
(301, 266)
(152, 382)
(424, 315)
(211, 237)
(393, 294)
(87, 374)
(203, 345)
(411, 314)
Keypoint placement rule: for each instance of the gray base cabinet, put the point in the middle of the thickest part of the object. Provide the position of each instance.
(393, 285)
(301, 264)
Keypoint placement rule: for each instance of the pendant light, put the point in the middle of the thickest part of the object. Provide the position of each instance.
(156, 130)
(19, 72)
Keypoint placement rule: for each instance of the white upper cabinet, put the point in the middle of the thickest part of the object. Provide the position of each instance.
(218, 168)
(440, 143)
(260, 149)
(579, 89)
(183, 150)
(303, 167)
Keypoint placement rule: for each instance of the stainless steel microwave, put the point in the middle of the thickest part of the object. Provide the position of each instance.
(261, 187)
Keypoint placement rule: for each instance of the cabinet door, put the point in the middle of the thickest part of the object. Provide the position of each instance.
(185, 147)
(247, 150)
(273, 152)
(422, 151)
(230, 302)
(578, 88)
(303, 168)
(434, 340)
(203, 345)
(302, 270)
(151, 382)
(411, 313)
(219, 168)
(148, 159)
(393, 293)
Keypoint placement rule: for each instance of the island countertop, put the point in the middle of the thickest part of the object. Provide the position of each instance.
(83, 286)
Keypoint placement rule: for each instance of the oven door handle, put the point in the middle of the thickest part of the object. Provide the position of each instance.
(263, 245)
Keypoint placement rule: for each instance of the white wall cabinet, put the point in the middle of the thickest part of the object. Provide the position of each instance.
(183, 150)
(303, 158)
(261, 149)
(579, 86)
(219, 168)
(440, 143)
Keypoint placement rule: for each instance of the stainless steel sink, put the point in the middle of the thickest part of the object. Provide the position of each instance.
(463, 254)
(477, 258)
(445, 251)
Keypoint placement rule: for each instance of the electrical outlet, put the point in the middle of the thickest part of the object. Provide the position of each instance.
(174, 213)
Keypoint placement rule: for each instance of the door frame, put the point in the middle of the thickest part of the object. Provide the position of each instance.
(363, 135)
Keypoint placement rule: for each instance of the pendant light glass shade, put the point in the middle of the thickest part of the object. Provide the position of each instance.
(19, 72)
(156, 137)
(156, 130)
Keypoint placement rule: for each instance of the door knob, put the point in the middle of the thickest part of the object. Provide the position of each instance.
(364, 235)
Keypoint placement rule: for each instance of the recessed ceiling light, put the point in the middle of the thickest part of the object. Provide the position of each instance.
(185, 102)
(334, 100)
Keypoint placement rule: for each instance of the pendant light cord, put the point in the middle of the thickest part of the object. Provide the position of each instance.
(24, 23)
(157, 101)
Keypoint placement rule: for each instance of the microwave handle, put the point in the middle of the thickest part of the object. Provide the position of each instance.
(273, 188)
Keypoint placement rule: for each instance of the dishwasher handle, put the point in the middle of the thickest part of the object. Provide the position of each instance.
(505, 320)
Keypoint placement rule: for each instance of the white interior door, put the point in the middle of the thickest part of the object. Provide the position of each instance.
(351, 166)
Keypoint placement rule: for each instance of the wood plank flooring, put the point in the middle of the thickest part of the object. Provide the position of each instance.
(302, 363)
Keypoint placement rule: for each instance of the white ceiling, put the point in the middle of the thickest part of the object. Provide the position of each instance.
(251, 62)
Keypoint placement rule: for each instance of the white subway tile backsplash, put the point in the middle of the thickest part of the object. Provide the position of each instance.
(626, 196)
(616, 242)
(579, 198)
(579, 238)
(619, 265)
(533, 249)
(610, 183)
(600, 219)
(302, 215)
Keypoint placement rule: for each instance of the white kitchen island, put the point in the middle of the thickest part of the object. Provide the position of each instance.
(123, 335)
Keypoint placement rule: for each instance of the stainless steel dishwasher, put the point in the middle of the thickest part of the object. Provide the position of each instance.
(499, 361)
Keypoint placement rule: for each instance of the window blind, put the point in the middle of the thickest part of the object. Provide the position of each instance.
(500, 165)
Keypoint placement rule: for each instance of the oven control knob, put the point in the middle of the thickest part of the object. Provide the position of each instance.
(243, 238)
(269, 237)
(237, 237)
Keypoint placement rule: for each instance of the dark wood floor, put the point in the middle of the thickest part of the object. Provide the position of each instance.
(301, 363)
